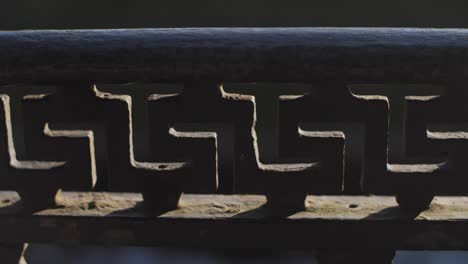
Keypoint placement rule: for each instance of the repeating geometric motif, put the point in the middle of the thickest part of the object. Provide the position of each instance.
(437, 131)
(398, 170)
(284, 140)
(330, 111)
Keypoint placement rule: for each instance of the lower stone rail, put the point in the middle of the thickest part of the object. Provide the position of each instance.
(346, 224)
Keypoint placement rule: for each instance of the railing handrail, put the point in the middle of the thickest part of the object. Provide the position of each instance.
(233, 54)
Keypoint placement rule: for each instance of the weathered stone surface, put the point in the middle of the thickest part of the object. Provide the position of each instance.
(229, 221)
(233, 54)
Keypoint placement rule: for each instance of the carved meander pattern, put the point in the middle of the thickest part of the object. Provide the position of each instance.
(282, 140)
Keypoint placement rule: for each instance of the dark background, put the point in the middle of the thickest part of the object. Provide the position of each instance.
(60, 14)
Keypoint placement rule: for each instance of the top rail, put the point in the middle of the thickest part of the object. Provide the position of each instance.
(234, 54)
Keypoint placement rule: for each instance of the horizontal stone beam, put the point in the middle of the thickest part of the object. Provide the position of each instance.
(234, 54)
(239, 221)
